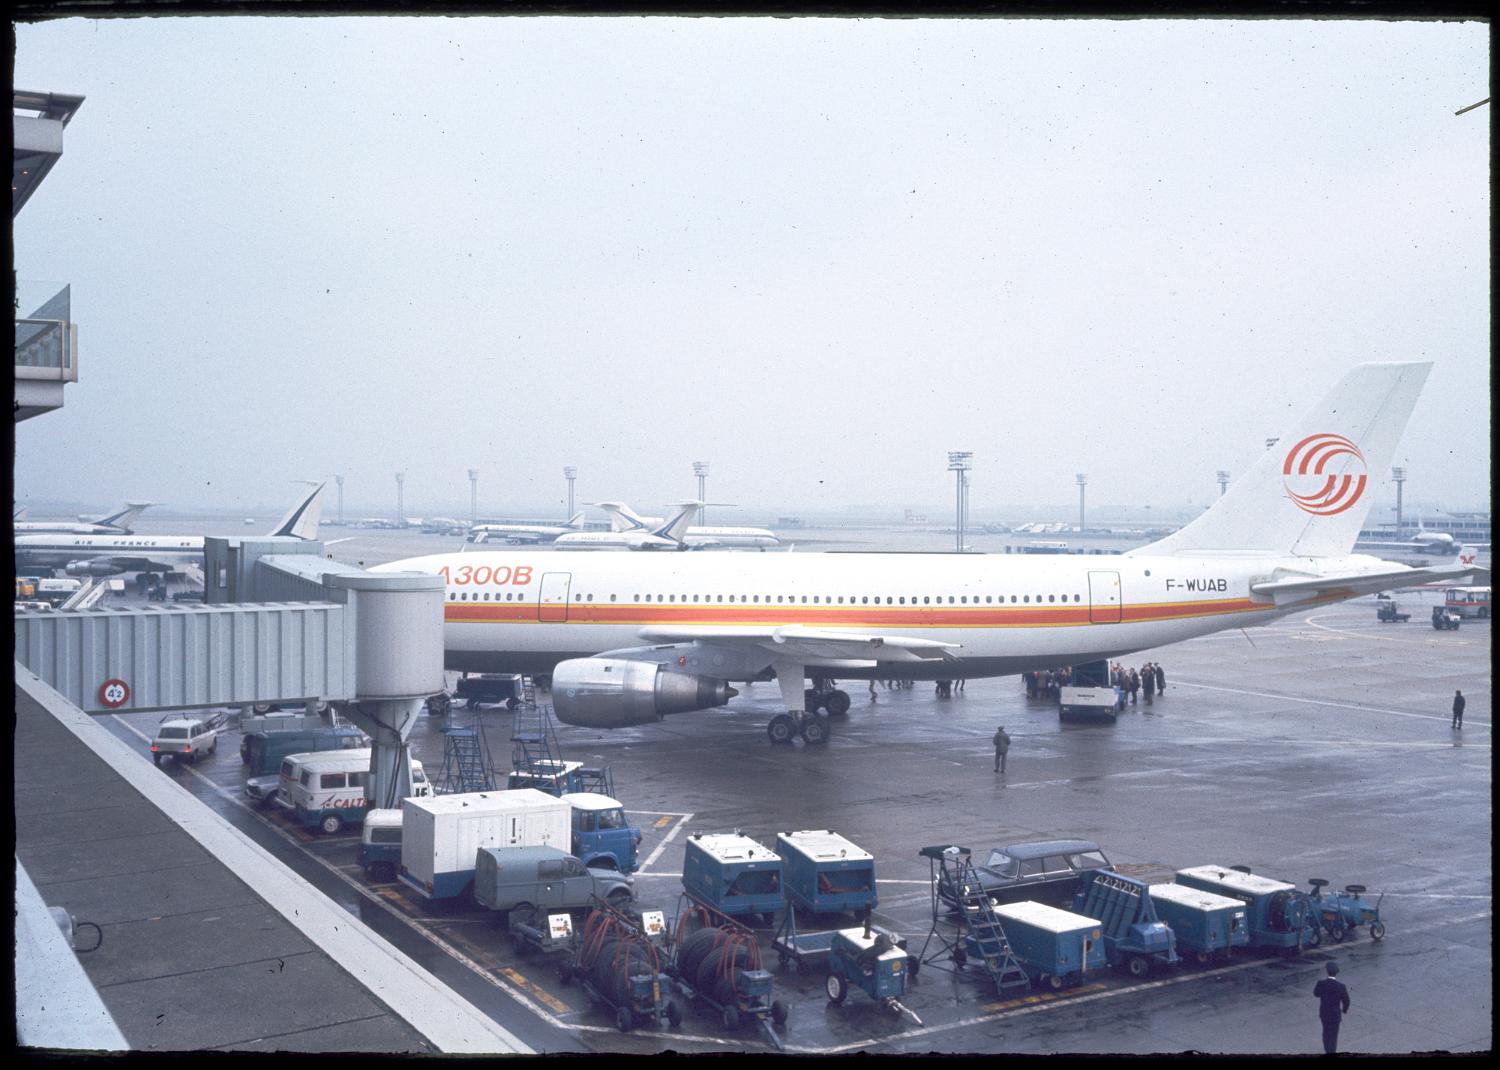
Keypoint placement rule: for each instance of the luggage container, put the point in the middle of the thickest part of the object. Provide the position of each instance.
(1054, 947)
(1205, 923)
(1277, 914)
(442, 835)
(733, 874)
(825, 873)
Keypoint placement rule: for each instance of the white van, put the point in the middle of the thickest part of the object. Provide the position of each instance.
(326, 789)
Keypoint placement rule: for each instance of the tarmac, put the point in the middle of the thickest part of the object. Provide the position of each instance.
(1319, 746)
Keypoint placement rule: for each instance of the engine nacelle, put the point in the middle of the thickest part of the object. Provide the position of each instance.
(616, 693)
(93, 568)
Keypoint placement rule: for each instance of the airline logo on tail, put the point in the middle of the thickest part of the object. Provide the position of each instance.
(1314, 492)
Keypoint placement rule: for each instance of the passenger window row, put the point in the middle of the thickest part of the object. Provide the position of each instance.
(863, 600)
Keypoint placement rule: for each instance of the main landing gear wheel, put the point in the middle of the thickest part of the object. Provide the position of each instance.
(838, 703)
(782, 728)
(815, 730)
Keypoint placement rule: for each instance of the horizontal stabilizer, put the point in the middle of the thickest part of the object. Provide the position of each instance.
(1346, 585)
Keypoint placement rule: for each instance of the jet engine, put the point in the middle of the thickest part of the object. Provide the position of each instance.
(98, 567)
(616, 693)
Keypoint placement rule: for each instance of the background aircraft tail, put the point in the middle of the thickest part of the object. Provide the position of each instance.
(302, 521)
(1309, 494)
(575, 521)
(621, 518)
(676, 527)
(126, 516)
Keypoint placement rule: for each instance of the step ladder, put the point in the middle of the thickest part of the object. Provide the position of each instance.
(536, 756)
(978, 933)
(986, 931)
(466, 761)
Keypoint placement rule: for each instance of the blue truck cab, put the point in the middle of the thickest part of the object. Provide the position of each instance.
(602, 837)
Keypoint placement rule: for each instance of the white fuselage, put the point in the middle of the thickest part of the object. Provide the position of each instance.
(142, 551)
(525, 612)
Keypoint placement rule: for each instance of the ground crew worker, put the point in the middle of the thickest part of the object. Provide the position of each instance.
(1458, 710)
(1333, 1004)
(1002, 745)
(1161, 680)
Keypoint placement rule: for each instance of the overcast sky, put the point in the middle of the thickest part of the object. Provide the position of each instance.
(816, 253)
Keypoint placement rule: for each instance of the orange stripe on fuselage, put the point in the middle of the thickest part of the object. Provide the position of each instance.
(867, 617)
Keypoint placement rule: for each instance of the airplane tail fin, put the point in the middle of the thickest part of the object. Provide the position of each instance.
(621, 518)
(676, 527)
(576, 520)
(302, 521)
(1309, 494)
(126, 516)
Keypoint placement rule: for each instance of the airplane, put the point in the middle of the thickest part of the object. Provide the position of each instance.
(631, 638)
(443, 525)
(667, 535)
(622, 518)
(525, 533)
(110, 555)
(117, 523)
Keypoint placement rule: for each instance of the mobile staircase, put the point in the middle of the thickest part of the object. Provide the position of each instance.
(535, 757)
(466, 760)
(978, 933)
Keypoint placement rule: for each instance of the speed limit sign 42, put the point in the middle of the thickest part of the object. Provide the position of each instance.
(114, 693)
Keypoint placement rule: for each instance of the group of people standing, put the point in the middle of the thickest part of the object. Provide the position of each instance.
(1150, 678)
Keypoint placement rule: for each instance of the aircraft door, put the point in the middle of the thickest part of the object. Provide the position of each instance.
(554, 596)
(1104, 598)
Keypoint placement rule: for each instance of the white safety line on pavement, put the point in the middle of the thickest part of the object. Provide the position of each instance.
(1325, 702)
(654, 855)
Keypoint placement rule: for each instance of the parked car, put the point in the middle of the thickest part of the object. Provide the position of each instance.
(518, 880)
(1044, 871)
(184, 738)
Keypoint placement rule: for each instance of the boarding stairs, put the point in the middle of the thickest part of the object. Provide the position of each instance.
(466, 760)
(87, 596)
(979, 932)
(535, 754)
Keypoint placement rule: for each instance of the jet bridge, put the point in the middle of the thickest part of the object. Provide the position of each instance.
(280, 622)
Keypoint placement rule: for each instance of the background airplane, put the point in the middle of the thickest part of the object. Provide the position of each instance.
(524, 533)
(668, 535)
(622, 518)
(109, 555)
(117, 523)
(629, 638)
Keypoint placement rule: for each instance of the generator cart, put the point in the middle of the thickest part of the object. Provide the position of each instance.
(547, 931)
(620, 966)
(1342, 912)
(869, 960)
(1134, 937)
(715, 959)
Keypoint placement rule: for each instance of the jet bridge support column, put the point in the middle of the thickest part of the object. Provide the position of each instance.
(398, 636)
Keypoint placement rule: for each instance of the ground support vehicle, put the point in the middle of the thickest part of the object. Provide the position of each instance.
(327, 789)
(976, 933)
(185, 737)
(620, 966)
(1205, 925)
(824, 873)
(1090, 696)
(264, 749)
(523, 883)
(1468, 602)
(1134, 937)
(602, 837)
(716, 961)
(489, 689)
(441, 835)
(380, 844)
(733, 874)
(1342, 912)
(1277, 914)
(1387, 612)
(1445, 620)
(867, 959)
(547, 931)
(1055, 947)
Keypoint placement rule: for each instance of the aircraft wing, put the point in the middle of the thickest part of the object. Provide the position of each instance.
(1298, 588)
(792, 642)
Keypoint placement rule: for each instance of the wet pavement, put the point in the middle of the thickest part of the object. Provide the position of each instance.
(1317, 747)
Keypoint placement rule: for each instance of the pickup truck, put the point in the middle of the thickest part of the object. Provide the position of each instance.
(519, 880)
(1387, 612)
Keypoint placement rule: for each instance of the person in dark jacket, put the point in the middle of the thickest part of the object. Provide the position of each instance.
(1333, 1004)
(1161, 680)
(1002, 748)
(1148, 681)
(1458, 710)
